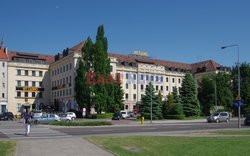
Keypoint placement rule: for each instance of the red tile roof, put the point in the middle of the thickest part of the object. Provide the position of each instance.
(48, 58)
(3, 55)
(208, 65)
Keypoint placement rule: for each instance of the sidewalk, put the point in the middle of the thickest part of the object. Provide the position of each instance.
(58, 147)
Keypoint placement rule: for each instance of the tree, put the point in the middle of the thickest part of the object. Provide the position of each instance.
(118, 94)
(177, 109)
(190, 103)
(83, 90)
(245, 84)
(168, 106)
(206, 94)
(104, 94)
(145, 108)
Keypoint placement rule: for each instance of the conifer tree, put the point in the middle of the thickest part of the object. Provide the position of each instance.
(188, 92)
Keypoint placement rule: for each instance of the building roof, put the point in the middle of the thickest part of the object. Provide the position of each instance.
(47, 58)
(3, 55)
(204, 66)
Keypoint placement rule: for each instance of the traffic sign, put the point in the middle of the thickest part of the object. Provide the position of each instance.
(238, 103)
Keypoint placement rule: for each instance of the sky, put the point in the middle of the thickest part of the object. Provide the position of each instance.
(177, 30)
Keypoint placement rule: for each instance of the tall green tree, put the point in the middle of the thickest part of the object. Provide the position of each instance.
(84, 90)
(206, 94)
(177, 109)
(245, 85)
(147, 99)
(168, 106)
(188, 92)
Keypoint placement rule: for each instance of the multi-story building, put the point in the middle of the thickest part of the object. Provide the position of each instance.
(62, 73)
(136, 73)
(3, 79)
(28, 81)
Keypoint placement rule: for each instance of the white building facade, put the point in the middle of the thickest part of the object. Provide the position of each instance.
(3, 80)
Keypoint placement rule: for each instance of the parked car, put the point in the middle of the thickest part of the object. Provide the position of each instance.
(36, 115)
(219, 117)
(247, 121)
(124, 114)
(6, 116)
(72, 115)
(47, 118)
(131, 114)
(117, 116)
(65, 117)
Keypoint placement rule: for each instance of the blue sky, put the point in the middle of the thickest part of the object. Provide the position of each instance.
(176, 30)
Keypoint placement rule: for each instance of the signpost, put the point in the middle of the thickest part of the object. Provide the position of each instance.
(238, 102)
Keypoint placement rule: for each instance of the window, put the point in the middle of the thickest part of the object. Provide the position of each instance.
(33, 94)
(173, 80)
(18, 107)
(3, 95)
(67, 67)
(179, 80)
(63, 92)
(33, 83)
(42, 62)
(173, 88)
(126, 86)
(134, 86)
(64, 81)
(3, 85)
(26, 60)
(70, 91)
(18, 94)
(18, 72)
(126, 106)
(70, 66)
(67, 92)
(33, 61)
(40, 73)
(161, 88)
(126, 75)
(157, 78)
(111, 68)
(26, 73)
(26, 94)
(18, 83)
(161, 79)
(141, 87)
(152, 78)
(127, 96)
(33, 73)
(60, 81)
(166, 79)
(134, 76)
(156, 87)
(141, 77)
(63, 68)
(26, 83)
(67, 80)
(166, 88)
(40, 84)
(134, 96)
(3, 75)
(146, 77)
(3, 64)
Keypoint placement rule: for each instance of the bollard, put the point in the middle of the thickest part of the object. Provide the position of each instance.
(142, 120)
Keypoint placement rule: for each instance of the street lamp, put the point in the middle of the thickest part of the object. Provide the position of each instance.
(238, 64)
(151, 110)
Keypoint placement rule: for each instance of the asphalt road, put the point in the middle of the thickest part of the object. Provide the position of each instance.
(178, 127)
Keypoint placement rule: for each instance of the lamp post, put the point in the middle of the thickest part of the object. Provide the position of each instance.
(238, 65)
(151, 110)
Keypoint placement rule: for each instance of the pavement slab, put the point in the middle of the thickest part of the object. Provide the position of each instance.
(59, 147)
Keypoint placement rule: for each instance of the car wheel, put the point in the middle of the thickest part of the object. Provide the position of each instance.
(217, 120)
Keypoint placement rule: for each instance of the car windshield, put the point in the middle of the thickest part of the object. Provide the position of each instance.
(123, 112)
(63, 115)
(215, 114)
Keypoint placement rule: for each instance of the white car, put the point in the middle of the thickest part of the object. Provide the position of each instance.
(124, 114)
(65, 117)
(72, 115)
(47, 118)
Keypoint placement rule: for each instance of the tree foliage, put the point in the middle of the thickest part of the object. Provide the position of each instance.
(147, 99)
(188, 92)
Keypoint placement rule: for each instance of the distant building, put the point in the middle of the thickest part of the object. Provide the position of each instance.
(28, 81)
(3, 80)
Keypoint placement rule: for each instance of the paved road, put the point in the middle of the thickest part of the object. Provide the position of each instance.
(173, 127)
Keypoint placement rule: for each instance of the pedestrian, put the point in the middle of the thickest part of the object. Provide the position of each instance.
(27, 123)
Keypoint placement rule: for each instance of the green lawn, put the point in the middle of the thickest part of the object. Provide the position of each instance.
(174, 146)
(7, 148)
(76, 123)
(233, 132)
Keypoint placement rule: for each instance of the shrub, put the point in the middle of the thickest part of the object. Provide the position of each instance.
(179, 117)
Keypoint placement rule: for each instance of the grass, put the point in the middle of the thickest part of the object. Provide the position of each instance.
(232, 132)
(104, 116)
(7, 148)
(174, 146)
(91, 123)
(194, 117)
